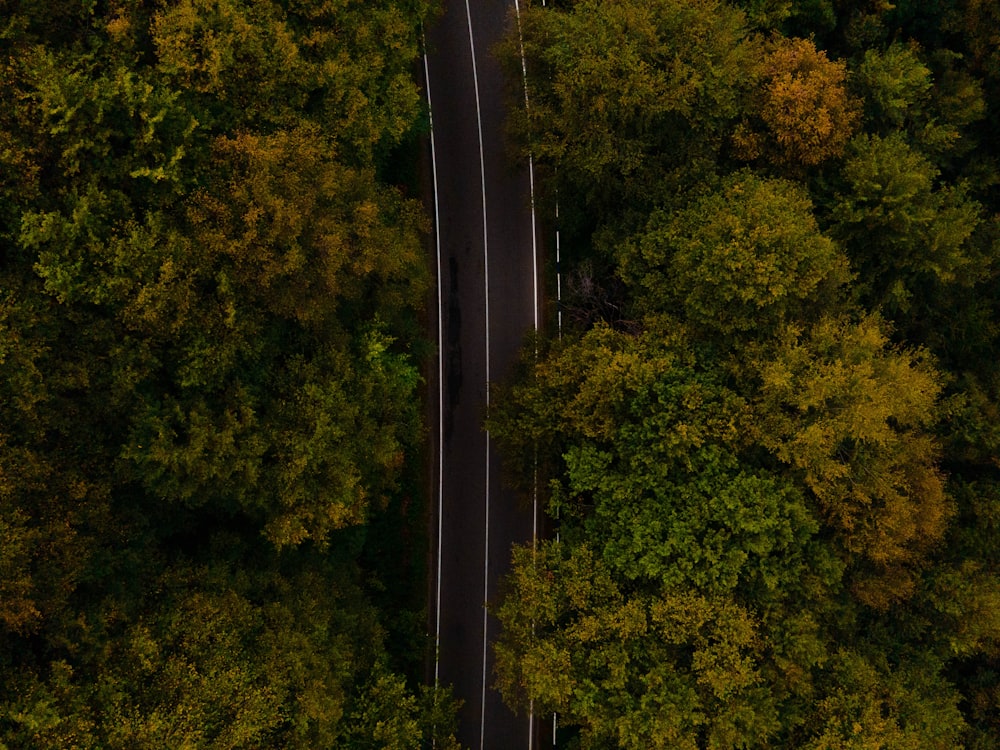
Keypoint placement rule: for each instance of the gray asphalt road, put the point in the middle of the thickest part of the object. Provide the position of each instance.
(488, 303)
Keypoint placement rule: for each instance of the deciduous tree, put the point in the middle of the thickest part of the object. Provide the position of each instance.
(739, 260)
(629, 96)
(806, 115)
(906, 232)
(853, 416)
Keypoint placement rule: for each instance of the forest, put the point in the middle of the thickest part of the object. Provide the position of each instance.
(212, 277)
(768, 430)
(767, 433)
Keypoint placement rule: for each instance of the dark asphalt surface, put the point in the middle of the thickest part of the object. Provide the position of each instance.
(470, 571)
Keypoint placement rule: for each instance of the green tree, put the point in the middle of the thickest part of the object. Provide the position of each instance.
(646, 623)
(960, 601)
(676, 669)
(586, 390)
(629, 96)
(894, 82)
(979, 23)
(344, 66)
(740, 260)
(243, 306)
(906, 233)
(870, 705)
(933, 101)
(701, 594)
(775, 509)
(218, 658)
(649, 444)
(672, 669)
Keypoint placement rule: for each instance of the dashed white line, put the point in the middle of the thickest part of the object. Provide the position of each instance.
(558, 275)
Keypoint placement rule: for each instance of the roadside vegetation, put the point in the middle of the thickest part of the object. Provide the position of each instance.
(768, 434)
(210, 430)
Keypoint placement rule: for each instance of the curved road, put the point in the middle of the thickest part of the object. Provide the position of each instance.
(487, 301)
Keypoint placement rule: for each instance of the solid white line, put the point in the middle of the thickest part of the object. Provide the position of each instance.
(531, 724)
(440, 336)
(486, 274)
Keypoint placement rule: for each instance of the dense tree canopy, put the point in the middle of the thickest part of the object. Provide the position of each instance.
(629, 92)
(209, 294)
(768, 443)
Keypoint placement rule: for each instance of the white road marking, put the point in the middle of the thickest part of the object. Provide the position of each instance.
(535, 308)
(486, 274)
(534, 235)
(440, 337)
(558, 274)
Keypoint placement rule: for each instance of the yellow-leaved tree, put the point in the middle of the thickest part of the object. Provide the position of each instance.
(852, 416)
(802, 113)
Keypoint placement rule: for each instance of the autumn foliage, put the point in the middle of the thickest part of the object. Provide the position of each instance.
(804, 113)
(768, 454)
(209, 301)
